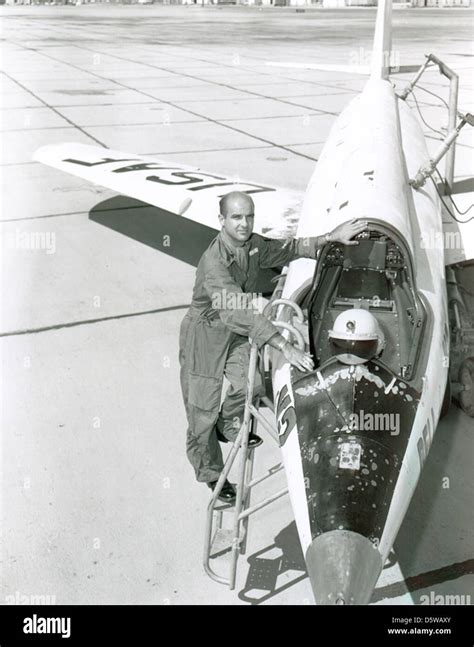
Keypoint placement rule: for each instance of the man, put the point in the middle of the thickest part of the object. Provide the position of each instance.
(214, 334)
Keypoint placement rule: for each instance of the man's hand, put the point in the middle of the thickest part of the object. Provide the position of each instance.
(303, 361)
(343, 233)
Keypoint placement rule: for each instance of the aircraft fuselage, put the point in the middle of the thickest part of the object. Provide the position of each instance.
(354, 437)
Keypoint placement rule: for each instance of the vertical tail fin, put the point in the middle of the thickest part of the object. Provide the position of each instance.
(381, 52)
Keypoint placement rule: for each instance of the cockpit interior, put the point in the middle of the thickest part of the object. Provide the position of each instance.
(377, 276)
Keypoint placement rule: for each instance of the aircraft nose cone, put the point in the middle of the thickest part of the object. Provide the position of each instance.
(343, 567)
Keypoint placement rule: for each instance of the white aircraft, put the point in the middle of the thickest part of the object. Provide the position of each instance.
(356, 431)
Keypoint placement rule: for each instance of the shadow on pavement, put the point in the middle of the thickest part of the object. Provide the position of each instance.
(268, 564)
(166, 232)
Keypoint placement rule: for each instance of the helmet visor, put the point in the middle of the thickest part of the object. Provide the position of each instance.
(363, 348)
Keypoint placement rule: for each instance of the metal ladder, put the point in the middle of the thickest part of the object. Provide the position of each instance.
(235, 538)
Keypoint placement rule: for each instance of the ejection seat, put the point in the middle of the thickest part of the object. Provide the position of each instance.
(376, 276)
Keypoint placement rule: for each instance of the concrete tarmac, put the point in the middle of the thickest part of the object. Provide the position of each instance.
(99, 503)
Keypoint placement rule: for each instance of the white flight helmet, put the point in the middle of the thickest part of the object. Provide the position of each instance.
(356, 336)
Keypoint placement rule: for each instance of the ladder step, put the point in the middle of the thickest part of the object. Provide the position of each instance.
(222, 541)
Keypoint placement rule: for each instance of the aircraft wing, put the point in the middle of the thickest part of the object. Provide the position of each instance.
(364, 69)
(349, 69)
(183, 190)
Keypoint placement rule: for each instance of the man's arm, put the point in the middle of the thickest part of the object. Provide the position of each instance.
(277, 253)
(295, 356)
(345, 232)
(234, 306)
(238, 313)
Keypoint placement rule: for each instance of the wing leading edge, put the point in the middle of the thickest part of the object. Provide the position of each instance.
(183, 190)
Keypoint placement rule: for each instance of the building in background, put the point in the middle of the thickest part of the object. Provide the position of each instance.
(327, 4)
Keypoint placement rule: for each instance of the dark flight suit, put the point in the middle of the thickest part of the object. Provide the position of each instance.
(214, 342)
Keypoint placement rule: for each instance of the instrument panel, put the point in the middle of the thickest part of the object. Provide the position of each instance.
(375, 251)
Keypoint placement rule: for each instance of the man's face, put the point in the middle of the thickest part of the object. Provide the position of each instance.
(238, 219)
